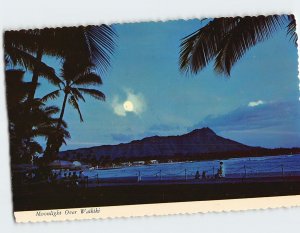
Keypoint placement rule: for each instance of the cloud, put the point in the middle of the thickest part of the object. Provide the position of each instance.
(154, 130)
(255, 103)
(120, 137)
(124, 138)
(279, 114)
(137, 100)
(269, 125)
(163, 127)
(139, 104)
(118, 107)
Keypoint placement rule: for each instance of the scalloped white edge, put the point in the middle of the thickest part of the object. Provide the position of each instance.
(161, 209)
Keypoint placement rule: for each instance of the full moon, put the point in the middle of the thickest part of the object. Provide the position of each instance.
(128, 106)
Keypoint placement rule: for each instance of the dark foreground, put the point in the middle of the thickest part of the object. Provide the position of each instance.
(46, 196)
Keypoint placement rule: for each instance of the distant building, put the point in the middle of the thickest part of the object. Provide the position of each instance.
(153, 161)
(126, 164)
(136, 163)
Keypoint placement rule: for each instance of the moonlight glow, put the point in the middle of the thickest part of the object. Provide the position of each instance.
(128, 106)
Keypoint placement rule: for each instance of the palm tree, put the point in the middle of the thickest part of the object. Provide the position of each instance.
(226, 40)
(27, 47)
(25, 126)
(75, 77)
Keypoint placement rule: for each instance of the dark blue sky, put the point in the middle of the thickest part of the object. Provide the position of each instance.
(258, 105)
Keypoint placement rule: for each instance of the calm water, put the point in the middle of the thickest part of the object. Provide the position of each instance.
(236, 167)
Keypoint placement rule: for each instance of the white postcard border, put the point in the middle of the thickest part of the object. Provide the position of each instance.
(157, 209)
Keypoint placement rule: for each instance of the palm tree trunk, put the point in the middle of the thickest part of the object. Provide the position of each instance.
(35, 76)
(34, 83)
(62, 112)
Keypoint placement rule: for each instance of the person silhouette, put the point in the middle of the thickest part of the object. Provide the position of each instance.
(204, 175)
(197, 175)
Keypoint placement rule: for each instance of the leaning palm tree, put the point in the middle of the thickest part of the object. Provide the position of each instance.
(75, 77)
(226, 40)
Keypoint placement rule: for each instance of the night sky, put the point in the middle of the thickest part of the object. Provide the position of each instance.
(258, 105)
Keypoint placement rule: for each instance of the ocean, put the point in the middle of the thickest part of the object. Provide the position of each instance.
(281, 165)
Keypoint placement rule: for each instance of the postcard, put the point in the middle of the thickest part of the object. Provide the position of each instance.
(153, 118)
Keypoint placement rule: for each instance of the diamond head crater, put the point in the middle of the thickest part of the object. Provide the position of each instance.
(197, 145)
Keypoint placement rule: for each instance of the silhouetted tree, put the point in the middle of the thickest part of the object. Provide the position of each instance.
(26, 48)
(24, 125)
(75, 78)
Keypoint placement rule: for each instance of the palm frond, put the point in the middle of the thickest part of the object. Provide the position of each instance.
(25, 40)
(100, 43)
(92, 92)
(66, 134)
(74, 68)
(77, 95)
(50, 130)
(56, 121)
(89, 78)
(49, 74)
(51, 96)
(17, 56)
(247, 33)
(51, 110)
(291, 29)
(89, 44)
(200, 47)
(92, 43)
(63, 123)
(72, 101)
(227, 39)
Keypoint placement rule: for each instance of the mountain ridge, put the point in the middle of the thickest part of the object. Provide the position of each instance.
(198, 141)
